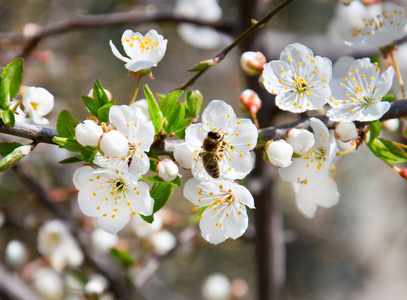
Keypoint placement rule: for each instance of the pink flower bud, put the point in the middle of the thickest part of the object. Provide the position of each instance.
(346, 131)
(252, 62)
(279, 153)
(403, 173)
(250, 101)
(114, 144)
(167, 170)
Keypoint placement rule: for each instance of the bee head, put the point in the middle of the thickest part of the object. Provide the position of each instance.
(214, 135)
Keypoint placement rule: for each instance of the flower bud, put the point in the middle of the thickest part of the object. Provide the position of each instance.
(279, 153)
(301, 140)
(250, 101)
(167, 170)
(193, 103)
(403, 173)
(252, 62)
(345, 131)
(16, 254)
(114, 143)
(95, 286)
(107, 92)
(183, 155)
(88, 133)
(216, 286)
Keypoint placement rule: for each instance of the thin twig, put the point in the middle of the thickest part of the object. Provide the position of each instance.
(221, 55)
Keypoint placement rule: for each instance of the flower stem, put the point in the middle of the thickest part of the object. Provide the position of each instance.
(135, 92)
(17, 104)
(348, 150)
(396, 68)
(254, 118)
(396, 169)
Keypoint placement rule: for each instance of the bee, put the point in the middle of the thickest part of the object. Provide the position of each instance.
(211, 153)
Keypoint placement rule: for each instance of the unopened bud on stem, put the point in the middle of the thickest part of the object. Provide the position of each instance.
(252, 62)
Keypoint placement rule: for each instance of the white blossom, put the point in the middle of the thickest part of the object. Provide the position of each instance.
(357, 96)
(88, 133)
(236, 137)
(103, 241)
(226, 201)
(300, 139)
(143, 51)
(143, 105)
(216, 287)
(114, 144)
(279, 153)
(315, 164)
(143, 229)
(16, 254)
(300, 80)
(37, 102)
(163, 242)
(56, 243)
(49, 284)
(167, 170)
(138, 136)
(381, 30)
(111, 195)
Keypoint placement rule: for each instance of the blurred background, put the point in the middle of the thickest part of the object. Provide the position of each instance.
(355, 250)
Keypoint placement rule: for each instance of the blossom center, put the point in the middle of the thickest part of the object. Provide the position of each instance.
(300, 84)
(146, 44)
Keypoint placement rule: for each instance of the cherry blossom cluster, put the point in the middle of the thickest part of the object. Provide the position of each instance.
(218, 151)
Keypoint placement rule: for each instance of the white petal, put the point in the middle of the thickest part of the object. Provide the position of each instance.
(236, 224)
(210, 232)
(81, 176)
(142, 203)
(184, 155)
(117, 53)
(219, 115)
(121, 217)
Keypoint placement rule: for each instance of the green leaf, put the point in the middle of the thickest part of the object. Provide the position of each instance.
(168, 104)
(8, 117)
(65, 124)
(181, 126)
(7, 148)
(103, 112)
(388, 151)
(161, 193)
(176, 182)
(176, 118)
(10, 82)
(160, 96)
(88, 154)
(99, 94)
(91, 104)
(193, 103)
(67, 143)
(70, 160)
(375, 127)
(155, 112)
(14, 157)
(122, 257)
(389, 97)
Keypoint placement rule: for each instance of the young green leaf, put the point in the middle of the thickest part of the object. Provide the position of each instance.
(8, 117)
(91, 105)
(66, 124)
(193, 103)
(88, 155)
(122, 257)
(375, 127)
(153, 163)
(177, 116)
(176, 182)
(161, 193)
(168, 104)
(67, 143)
(70, 160)
(153, 108)
(103, 112)
(7, 148)
(14, 157)
(388, 151)
(10, 82)
(99, 94)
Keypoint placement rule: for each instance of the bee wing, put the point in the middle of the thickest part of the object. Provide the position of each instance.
(198, 169)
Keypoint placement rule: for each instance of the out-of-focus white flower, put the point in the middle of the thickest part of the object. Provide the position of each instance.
(56, 243)
(391, 125)
(279, 153)
(167, 170)
(163, 241)
(96, 285)
(136, 133)
(323, 193)
(226, 201)
(233, 137)
(357, 96)
(16, 254)
(346, 131)
(300, 139)
(216, 287)
(143, 51)
(49, 284)
(381, 30)
(300, 80)
(37, 102)
(111, 195)
(103, 241)
(201, 10)
(250, 101)
(114, 144)
(252, 62)
(143, 229)
(315, 164)
(88, 133)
